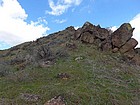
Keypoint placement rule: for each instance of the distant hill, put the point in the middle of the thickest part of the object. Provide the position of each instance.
(88, 66)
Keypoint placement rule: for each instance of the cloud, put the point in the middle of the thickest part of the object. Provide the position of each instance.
(76, 27)
(86, 8)
(13, 26)
(61, 6)
(60, 21)
(114, 28)
(135, 22)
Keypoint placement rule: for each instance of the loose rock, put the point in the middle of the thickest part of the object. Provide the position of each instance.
(131, 44)
(58, 100)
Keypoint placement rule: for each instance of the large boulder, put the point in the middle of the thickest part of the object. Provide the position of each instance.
(87, 37)
(106, 45)
(131, 44)
(122, 35)
(101, 33)
(97, 31)
(88, 33)
(88, 27)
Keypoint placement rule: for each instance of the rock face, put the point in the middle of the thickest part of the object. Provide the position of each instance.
(119, 41)
(122, 35)
(87, 37)
(131, 44)
(89, 33)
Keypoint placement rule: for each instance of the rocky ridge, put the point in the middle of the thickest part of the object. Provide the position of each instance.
(43, 51)
(119, 41)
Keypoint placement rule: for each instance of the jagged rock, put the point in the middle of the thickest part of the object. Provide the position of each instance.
(101, 33)
(122, 35)
(80, 32)
(67, 34)
(106, 45)
(89, 33)
(87, 37)
(131, 44)
(88, 27)
(70, 30)
(58, 100)
(96, 31)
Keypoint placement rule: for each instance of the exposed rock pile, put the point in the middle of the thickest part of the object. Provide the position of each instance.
(119, 41)
(46, 49)
(58, 100)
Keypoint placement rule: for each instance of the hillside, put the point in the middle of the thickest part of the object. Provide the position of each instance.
(87, 66)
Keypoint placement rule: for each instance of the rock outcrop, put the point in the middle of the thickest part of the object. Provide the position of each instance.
(118, 41)
(122, 35)
(89, 33)
(58, 44)
(129, 45)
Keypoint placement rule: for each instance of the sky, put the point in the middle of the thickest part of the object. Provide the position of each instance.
(27, 20)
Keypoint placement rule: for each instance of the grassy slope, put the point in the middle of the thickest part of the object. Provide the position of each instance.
(97, 79)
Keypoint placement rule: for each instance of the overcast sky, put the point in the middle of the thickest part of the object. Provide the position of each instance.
(27, 20)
